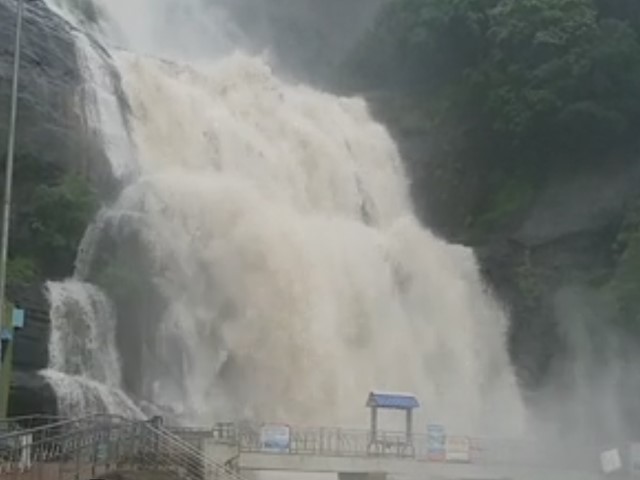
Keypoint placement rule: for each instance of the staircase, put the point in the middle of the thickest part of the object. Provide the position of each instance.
(106, 447)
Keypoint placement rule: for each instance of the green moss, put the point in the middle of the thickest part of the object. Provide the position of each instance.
(51, 209)
(511, 198)
(21, 271)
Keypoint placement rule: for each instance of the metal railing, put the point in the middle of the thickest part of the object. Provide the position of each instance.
(12, 424)
(336, 442)
(51, 448)
(85, 448)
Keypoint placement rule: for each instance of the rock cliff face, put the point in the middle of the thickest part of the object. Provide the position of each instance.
(49, 84)
(51, 130)
(30, 393)
(553, 263)
(548, 263)
(309, 38)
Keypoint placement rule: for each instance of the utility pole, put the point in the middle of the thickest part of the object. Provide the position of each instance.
(6, 321)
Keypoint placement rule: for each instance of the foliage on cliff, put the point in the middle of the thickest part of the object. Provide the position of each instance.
(51, 209)
(535, 74)
(523, 87)
(515, 99)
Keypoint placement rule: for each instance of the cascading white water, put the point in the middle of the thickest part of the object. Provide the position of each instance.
(103, 114)
(296, 276)
(84, 366)
(255, 195)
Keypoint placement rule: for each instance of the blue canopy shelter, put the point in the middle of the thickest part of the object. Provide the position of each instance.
(392, 401)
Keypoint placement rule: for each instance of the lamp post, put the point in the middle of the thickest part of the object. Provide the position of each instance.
(6, 322)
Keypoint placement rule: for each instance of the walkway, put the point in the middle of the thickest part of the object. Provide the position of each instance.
(352, 452)
(38, 448)
(81, 449)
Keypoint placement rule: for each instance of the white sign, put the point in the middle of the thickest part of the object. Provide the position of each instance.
(634, 455)
(458, 449)
(610, 461)
(275, 438)
(436, 442)
(25, 451)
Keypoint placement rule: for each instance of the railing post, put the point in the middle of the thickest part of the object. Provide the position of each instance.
(109, 448)
(77, 455)
(94, 457)
(116, 448)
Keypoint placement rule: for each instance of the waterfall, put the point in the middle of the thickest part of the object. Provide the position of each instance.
(84, 365)
(282, 240)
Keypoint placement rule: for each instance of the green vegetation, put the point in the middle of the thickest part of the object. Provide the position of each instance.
(512, 94)
(532, 74)
(540, 86)
(51, 210)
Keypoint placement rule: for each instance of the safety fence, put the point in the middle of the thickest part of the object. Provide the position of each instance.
(99, 445)
(337, 442)
(50, 448)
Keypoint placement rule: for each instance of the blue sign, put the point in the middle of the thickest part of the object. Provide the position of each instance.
(436, 442)
(6, 334)
(275, 438)
(18, 318)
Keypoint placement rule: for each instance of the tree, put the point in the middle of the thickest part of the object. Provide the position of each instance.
(538, 49)
(428, 44)
(532, 74)
(624, 10)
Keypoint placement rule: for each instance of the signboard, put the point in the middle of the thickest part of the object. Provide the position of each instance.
(6, 334)
(102, 452)
(18, 318)
(25, 451)
(610, 461)
(436, 443)
(275, 438)
(634, 458)
(458, 449)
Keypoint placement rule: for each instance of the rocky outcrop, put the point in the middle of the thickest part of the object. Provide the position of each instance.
(552, 259)
(580, 203)
(307, 38)
(49, 122)
(51, 127)
(51, 130)
(31, 351)
(31, 394)
(565, 241)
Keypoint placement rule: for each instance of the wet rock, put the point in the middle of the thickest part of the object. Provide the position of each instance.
(582, 203)
(49, 122)
(31, 351)
(31, 394)
(51, 130)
